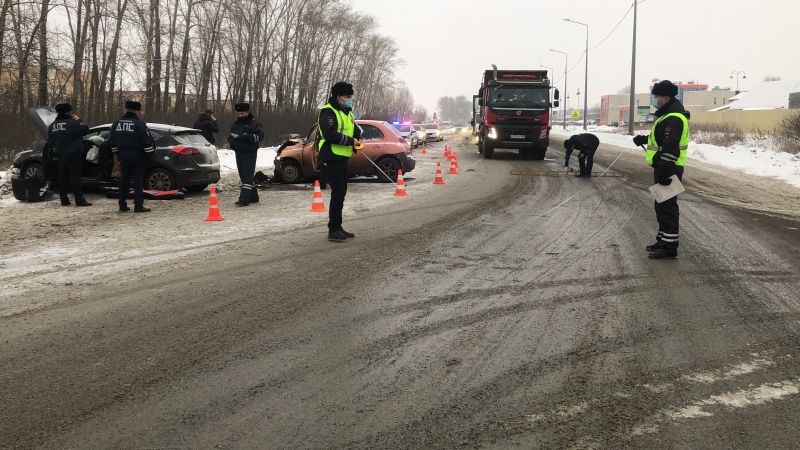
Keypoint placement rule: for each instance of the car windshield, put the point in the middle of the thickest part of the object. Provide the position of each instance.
(430, 126)
(403, 128)
(191, 138)
(519, 96)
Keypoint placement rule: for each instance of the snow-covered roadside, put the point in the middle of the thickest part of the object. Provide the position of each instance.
(264, 163)
(750, 158)
(42, 240)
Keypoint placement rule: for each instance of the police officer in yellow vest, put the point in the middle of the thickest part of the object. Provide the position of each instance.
(339, 137)
(666, 153)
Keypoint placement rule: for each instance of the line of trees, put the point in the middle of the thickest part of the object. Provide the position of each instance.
(182, 56)
(458, 109)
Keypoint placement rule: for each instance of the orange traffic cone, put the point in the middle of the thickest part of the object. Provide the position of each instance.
(424, 151)
(317, 204)
(455, 160)
(401, 185)
(439, 179)
(447, 152)
(213, 207)
(453, 167)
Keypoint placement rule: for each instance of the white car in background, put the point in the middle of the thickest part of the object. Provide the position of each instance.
(408, 133)
(432, 132)
(422, 137)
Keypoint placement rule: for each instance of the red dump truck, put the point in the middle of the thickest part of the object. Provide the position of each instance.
(512, 110)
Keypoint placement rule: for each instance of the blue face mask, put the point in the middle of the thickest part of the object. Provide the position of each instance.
(348, 103)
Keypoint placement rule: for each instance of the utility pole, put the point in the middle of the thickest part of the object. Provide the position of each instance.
(586, 75)
(565, 83)
(632, 113)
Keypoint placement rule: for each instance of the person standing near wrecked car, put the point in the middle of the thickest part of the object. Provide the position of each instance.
(586, 144)
(65, 137)
(338, 137)
(245, 135)
(207, 124)
(134, 144)
(666, 149)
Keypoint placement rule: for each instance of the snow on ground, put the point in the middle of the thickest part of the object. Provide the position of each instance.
(40, 240)
(756, 157)
(264, 163)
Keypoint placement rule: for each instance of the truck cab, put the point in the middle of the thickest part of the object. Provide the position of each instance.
(513, 112)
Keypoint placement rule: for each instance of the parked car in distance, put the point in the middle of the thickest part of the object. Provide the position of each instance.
(297, 159)
(432, 132)
(183, 157)
(408, 134)
(422, 137)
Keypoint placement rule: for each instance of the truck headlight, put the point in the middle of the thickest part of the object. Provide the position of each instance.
(492, 133)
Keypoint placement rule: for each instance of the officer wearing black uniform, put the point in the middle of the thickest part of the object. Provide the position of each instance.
(586, 144)
(65, 137)
(338, 138)
(666, 148)
(245, 135)
(135, 145)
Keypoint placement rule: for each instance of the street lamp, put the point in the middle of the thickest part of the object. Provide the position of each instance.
(736, 73)
(586, 75)
(631, 116)
(566, 58)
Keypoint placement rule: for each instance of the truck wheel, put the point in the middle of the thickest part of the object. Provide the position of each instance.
(487, 150)
(538, 153)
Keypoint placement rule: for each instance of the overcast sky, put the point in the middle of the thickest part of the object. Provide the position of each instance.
(446, 44)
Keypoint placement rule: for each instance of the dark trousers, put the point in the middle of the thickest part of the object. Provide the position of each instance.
(246, 166)
(132, 169)
(585, 163)
(334, 174)
(667, 215)
(70, 169)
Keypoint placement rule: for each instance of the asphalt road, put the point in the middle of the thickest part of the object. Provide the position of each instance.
(477, 317)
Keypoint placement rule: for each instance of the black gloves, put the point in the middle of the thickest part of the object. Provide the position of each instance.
(664, 181)
(640, 140)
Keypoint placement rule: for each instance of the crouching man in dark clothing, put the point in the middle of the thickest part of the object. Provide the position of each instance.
(586, 144)
(666, 149)
(245, 135)
(65, 137)
(338, 139)
(134, 144)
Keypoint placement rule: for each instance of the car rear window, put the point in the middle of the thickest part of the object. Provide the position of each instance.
(429, 126)
(403, 128)
(190, 138)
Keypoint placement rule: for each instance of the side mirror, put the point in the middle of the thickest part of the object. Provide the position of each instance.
(555, 103)
(556, 95)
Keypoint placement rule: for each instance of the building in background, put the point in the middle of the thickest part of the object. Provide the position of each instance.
(698, 101)
(614, 109)
(683, 88)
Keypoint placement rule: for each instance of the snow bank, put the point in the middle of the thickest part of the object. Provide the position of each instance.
(265, 161)
(753, 158)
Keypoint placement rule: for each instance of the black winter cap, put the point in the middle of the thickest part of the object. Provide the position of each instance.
(568, 144)
(242, 107)
(665, 88)
(133, 105)
(342, 88)
(63, 108)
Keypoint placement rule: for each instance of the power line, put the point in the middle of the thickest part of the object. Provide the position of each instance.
(583, 54)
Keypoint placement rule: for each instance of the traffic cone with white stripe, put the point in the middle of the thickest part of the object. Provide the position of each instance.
(317, 204)
(213, 207)
(453, 167)
(401, 185)
(439, 179)
(424, 150)
(446, 152)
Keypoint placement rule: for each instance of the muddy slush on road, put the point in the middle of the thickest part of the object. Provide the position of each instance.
(471, 314)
